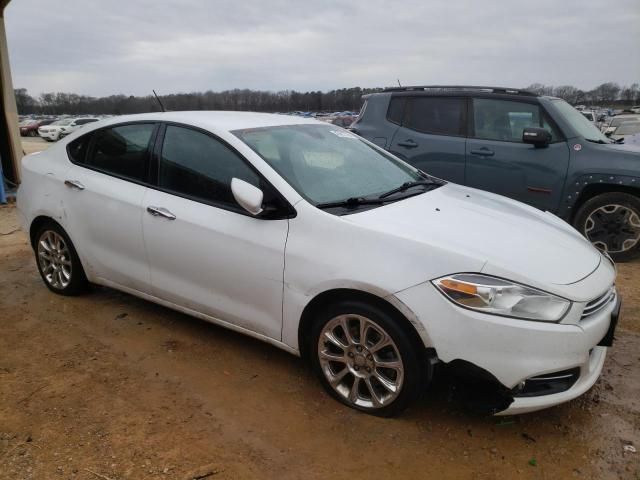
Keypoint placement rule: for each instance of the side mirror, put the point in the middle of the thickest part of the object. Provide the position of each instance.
(248, 196)
(539, 137)
(608, 133)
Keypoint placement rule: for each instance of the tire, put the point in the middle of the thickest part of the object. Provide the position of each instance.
(611, 221)
(58, 262)
(33, 133)
(346, 362)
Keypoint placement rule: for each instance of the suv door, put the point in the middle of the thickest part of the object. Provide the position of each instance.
(103, 201)
(432, 133)
(498, 161)
(207, 254)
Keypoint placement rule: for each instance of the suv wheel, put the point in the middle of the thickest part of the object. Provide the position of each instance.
(365, 360)
(611, 222)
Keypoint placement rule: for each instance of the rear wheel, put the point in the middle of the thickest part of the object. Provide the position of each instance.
(365, 360)
(58, 262)
(611, 222)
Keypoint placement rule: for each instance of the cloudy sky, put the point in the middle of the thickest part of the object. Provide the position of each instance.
(99, 47)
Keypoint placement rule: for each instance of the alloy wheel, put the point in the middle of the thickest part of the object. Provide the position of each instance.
(360, 361)
(613, 228)
(54, 259)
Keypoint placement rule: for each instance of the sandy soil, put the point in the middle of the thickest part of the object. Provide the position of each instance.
(109, 386)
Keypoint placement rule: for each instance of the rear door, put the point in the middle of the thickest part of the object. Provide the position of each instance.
(103, 201)
(206, 253)
(432, 134)
(499, 162)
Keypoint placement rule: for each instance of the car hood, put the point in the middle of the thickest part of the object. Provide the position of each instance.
(511, 238)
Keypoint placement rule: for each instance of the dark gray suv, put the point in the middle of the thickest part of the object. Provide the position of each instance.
(536, 149)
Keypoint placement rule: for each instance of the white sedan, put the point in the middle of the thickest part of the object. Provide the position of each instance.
(312, 239)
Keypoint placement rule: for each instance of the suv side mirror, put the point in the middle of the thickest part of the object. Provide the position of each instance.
(608, 133)
(248, 196)
(539, 137)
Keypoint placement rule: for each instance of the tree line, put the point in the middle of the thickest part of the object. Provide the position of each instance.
(238, 99)
(59, 103)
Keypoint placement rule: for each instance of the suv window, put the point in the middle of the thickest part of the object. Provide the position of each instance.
(196, 165)
(438, 115)
(395, 112)
(504, 120)
(122, 151)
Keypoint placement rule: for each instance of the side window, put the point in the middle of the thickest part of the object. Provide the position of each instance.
(123, 151)
(395, 112)
(505, 120)
(437, 115)
(198, 166)
(77, 150)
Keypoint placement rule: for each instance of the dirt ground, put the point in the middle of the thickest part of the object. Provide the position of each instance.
(109, 386)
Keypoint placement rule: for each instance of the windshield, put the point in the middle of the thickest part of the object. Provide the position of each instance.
(580, 124)
(62, 122)
(327, 164)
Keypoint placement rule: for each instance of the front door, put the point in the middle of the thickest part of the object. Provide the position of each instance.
(205, 252)
(498, 161)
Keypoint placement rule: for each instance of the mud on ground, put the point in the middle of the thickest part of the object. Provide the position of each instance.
(110, 386)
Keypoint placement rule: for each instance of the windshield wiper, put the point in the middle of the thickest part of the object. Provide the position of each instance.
(599, 141)
(408, 185)
(351, 202)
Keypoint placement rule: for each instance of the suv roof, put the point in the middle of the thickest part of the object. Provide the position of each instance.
(462, 88)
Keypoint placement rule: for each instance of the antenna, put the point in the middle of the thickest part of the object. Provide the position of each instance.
(159, 101)
(399, 84)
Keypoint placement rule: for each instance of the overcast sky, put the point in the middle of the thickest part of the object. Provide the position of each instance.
(107, 47)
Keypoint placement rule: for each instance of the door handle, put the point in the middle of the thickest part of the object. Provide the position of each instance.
(484, 152)
(408, 144)
(161, 212)
(74, 184)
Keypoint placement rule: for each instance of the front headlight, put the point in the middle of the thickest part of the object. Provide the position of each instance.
(501, 297)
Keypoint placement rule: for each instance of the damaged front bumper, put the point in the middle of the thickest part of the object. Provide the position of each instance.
(508, 366)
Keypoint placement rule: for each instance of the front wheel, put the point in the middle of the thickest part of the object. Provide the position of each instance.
(365, 359)
(611, 221)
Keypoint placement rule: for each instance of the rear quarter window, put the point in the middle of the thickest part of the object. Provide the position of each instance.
(395, 112)
(77, 150)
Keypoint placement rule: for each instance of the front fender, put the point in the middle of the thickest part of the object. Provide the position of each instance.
(580, 185)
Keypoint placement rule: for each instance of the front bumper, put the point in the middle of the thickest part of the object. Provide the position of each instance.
(513, 350)
(589, 373)
(50, 134)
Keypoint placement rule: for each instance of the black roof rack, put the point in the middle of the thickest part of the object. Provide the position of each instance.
(463, 88)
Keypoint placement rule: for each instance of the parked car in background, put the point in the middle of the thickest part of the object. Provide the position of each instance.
(535, 149)
(339, 120)
(64, 127)
(625, 129)
(618, 120)
(29, 128)
(275, 226)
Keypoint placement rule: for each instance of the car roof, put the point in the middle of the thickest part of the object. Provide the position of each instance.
(215, 120)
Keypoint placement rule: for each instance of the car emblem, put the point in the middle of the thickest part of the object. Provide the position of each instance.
(577, 147)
